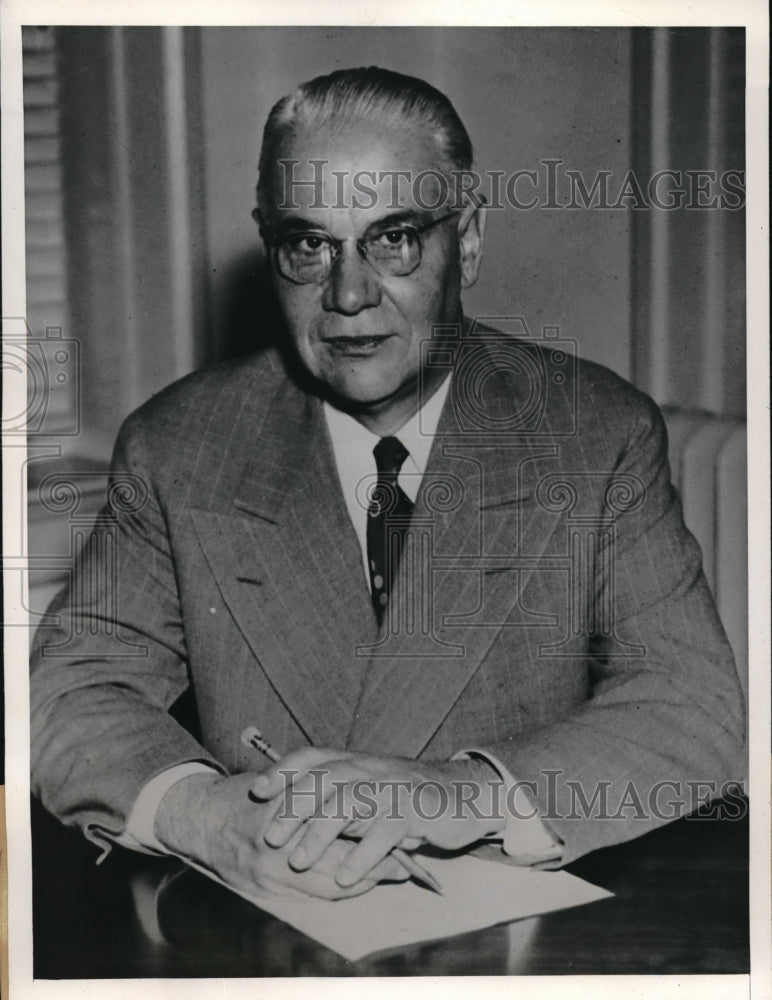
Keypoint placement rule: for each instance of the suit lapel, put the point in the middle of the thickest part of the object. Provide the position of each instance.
(288, 564)
(456, 585)
(289, 567)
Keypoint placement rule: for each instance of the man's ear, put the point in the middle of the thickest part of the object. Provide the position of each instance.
(256, 216)
(471, 232)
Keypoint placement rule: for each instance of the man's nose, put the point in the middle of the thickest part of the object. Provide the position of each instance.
(351, 285)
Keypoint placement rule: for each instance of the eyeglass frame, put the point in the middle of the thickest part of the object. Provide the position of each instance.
(336, 245)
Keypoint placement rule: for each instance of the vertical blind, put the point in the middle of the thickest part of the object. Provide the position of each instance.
(689, 263)
(52, 356)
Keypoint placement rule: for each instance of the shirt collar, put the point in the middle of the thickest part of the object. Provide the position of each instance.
(349, 437)
(419, 432)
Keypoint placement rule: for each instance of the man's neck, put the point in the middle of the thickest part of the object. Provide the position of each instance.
(386, 418)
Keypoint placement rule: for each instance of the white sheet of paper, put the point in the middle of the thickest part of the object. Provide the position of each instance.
(476, 894)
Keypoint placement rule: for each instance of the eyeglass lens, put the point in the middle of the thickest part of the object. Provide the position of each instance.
(308, 257)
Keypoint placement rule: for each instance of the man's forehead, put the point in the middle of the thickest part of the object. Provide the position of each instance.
(362, 141)
(360, 166)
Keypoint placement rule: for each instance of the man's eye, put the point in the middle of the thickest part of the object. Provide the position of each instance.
(393, 238)
(307, 243)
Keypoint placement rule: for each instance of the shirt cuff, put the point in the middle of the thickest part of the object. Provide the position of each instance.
(139, 834)
(525, 836)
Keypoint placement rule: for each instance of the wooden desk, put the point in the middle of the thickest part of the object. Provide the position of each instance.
(681, 906)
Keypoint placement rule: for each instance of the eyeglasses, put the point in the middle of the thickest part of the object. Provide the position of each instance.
(306, 257)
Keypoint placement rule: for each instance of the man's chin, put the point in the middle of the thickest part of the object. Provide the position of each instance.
(356, 399)
(365, 398)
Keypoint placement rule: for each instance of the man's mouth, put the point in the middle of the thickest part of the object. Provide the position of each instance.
(356, 346)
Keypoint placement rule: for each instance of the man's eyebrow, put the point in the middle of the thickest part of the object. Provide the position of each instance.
(295, 224)
(413, 216)
(298, 224)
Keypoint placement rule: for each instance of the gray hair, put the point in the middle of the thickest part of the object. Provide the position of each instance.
(350, 95)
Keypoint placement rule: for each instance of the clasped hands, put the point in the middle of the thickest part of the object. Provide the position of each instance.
(323, 822)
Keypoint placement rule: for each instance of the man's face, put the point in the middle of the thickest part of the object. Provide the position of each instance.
(359, 331)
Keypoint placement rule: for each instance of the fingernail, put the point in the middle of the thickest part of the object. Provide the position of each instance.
(299, 858)
(261, 785)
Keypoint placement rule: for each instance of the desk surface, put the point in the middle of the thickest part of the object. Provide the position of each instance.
(680, 906)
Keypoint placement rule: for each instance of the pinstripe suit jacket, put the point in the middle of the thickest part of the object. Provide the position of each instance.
(549, 607)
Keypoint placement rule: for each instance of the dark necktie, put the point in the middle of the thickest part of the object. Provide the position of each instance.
(387, 519)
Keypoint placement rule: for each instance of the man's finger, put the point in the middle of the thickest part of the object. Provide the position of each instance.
(292, 768)
(387, 870)
(319, 835)
(310, 797)
(372, 850)
(325, 792)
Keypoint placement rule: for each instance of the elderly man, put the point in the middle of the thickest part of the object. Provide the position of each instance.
(442, 568)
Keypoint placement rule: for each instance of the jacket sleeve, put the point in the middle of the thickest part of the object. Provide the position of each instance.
(102, 680)
(663, 727)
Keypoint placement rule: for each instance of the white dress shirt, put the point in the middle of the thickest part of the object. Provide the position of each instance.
(524, 837)
(352, 446)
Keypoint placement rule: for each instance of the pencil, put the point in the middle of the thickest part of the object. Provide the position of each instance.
(252, 737)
